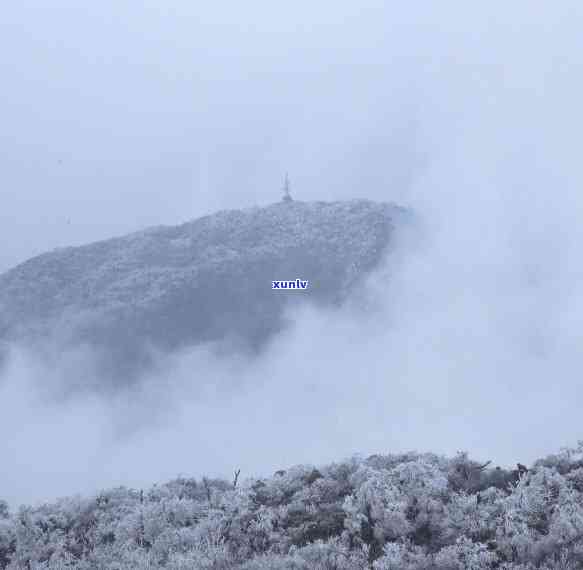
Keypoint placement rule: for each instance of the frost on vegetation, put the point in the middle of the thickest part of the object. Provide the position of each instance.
(387, 512)
(208, 280)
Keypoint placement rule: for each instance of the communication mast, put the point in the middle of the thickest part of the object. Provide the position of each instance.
(286, 193)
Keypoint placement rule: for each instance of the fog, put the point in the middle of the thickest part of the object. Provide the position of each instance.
(115, 118)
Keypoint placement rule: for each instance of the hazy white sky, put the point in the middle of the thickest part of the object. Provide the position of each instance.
(118, 115)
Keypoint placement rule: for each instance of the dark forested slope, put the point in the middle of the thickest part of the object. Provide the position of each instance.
(205, 280)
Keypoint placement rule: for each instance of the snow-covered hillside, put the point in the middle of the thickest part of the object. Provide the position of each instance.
(205, 280)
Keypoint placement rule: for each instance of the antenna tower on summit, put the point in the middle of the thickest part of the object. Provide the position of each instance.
(286, 193)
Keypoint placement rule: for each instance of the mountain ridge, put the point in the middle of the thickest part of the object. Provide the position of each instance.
(205, 280)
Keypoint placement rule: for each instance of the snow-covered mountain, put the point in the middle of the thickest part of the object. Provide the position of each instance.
(206, 280)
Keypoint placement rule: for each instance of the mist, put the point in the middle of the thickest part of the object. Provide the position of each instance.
(115, 119)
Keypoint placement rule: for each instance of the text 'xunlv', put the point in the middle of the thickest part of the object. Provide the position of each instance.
(297, 284)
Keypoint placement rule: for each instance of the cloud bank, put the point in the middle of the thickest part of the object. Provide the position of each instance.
(469, 115)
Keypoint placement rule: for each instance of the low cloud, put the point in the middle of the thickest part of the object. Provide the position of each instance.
(439, 351)
(469, 336)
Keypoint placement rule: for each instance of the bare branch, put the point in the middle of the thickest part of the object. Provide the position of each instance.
(207, 488)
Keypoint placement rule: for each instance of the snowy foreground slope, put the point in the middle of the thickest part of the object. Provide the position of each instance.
(205, 280)
(399, 512)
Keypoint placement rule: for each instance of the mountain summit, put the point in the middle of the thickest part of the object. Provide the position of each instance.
(206, 280)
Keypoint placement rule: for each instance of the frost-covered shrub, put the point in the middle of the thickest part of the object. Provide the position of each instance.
(407, 512)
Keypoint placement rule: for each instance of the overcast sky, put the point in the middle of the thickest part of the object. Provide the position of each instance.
(119, 115)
